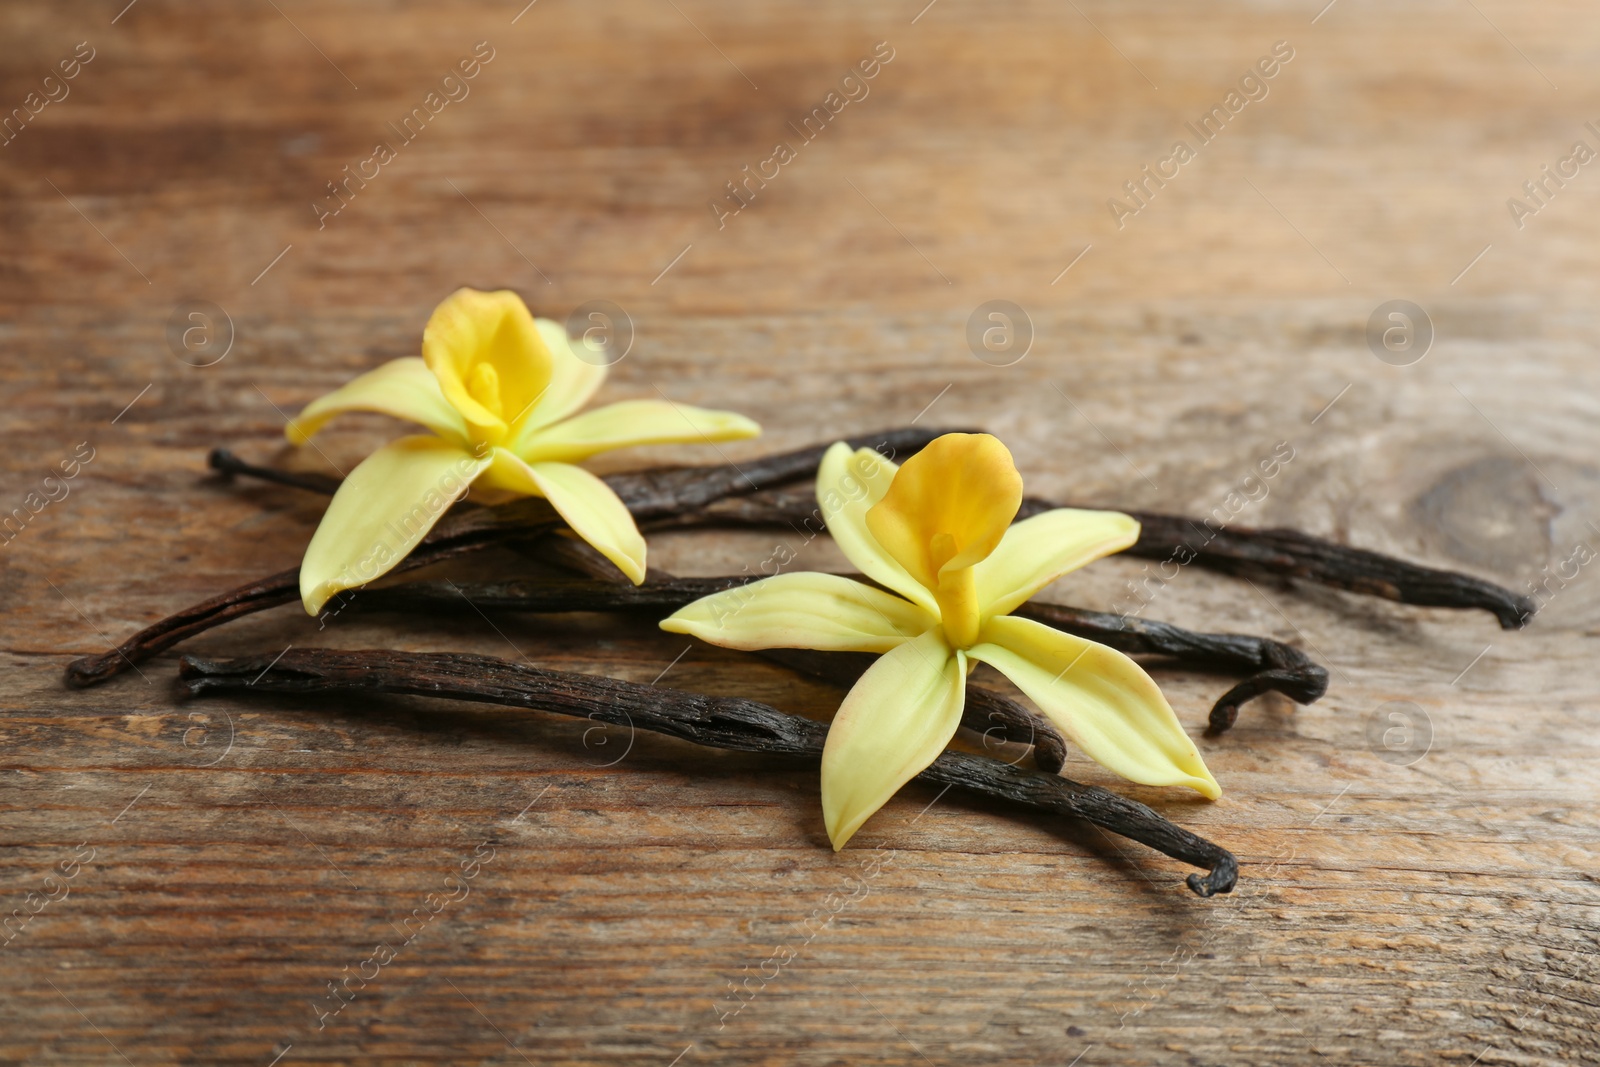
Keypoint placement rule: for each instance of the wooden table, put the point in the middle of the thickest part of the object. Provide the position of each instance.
(1416, 897)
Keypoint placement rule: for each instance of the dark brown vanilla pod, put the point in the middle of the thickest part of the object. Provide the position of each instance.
(717, 722)
(1234, 550)
(987, 712)
(227, 464)
(1289, 553)
(649, 494)
(1270, 666)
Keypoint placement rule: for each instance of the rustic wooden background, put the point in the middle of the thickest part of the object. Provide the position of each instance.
(1426, 895)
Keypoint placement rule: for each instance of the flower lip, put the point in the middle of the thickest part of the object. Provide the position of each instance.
(491, 360)
(946, 510)
(948, 506)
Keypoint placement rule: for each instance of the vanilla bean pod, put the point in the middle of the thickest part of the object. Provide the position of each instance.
(1271, 665)
(718, 722)
(227, 464)
(1180, 541)
(1243, 550)
(648, 494)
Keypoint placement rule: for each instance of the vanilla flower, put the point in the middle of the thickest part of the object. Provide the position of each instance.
(499, 390)
(938, 532)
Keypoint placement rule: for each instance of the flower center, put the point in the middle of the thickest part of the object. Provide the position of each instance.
(956, 594)
(484, 386)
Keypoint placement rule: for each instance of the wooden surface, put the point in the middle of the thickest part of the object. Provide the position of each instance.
(1407, 904)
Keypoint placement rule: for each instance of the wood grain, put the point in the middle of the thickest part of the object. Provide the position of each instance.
(1419, 906)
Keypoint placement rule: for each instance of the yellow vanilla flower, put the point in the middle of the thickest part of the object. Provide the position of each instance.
(938, 532)
(499, 389)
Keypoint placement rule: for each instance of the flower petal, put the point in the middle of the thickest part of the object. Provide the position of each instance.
(1099, 698)
(848, 484)
(806, 610)
(948, 506)
(630, 423)
(471, 328)
(386, 505)
(588, 504)
(895, 721)
(573, 380)
(403, 388)
(1037, 551)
